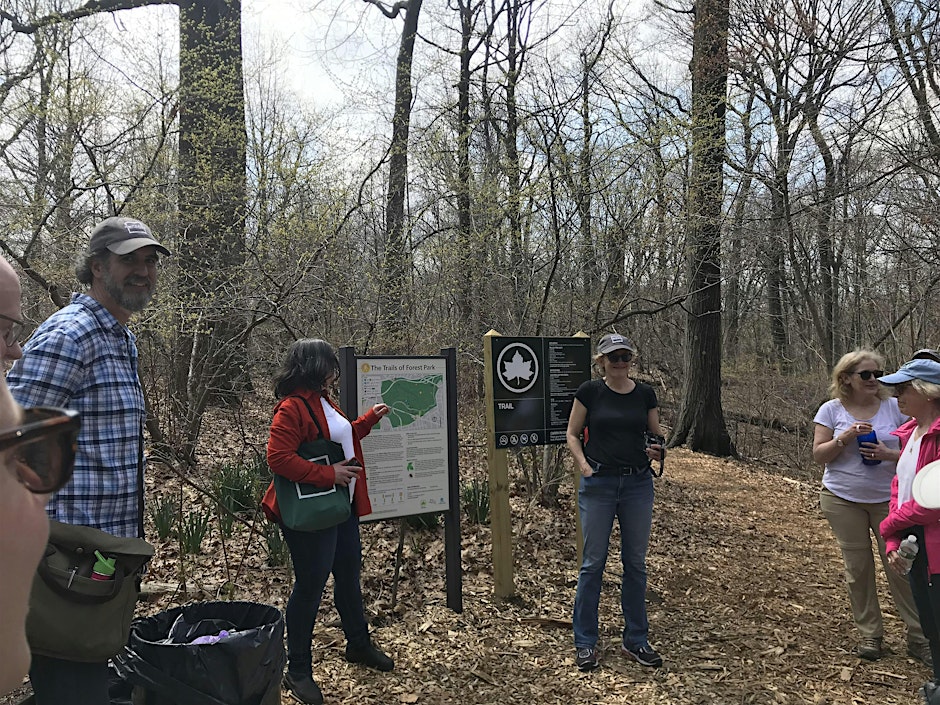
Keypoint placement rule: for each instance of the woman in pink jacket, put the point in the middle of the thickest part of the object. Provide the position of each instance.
(917, 387)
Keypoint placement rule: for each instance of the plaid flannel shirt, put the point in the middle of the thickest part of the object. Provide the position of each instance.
(83, 358)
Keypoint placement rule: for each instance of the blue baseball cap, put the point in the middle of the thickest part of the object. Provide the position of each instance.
(925, 370)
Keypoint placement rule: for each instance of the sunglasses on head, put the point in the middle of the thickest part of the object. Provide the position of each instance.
(42, 449)
(620, 357)
(868, 374)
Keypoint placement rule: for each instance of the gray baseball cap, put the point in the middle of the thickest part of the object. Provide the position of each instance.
(122, 236)
(614, 341)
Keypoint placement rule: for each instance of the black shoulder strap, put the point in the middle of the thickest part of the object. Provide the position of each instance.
(312, 415)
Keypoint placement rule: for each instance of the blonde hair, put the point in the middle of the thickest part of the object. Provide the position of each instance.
(928, 389)
(598, 361)
(839, 387)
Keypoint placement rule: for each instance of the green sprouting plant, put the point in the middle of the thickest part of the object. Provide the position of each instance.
(193, 527)
(237, 486)
(164, 511)
(475, 500)
(226, 517)
(423, 522)
(278, 553)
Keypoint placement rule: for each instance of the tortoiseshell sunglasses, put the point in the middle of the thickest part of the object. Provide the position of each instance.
(43, 447)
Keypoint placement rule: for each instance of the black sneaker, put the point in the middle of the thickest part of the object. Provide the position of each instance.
(369, 656)
(644, 655)
(586, 658)
(303, 688)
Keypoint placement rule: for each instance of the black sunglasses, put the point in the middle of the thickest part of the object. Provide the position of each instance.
(868, 374)
(899, 389)
(620, 357)
(43, 447)
(14, 333)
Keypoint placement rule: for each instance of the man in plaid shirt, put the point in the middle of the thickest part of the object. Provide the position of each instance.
(83, 357)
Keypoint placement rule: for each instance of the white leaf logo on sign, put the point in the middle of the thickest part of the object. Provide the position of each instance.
(518, 367)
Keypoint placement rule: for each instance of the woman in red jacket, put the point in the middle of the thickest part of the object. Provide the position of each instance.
(303, 382)
(917, 387)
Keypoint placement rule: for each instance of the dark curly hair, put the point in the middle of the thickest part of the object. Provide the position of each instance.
(308, 365)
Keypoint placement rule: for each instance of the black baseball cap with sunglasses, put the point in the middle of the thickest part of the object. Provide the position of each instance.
(42, 448)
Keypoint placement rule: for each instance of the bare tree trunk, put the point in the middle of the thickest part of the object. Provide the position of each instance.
(396, 266)
(701, 423)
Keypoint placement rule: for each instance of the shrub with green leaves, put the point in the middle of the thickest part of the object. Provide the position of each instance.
(164, 511)
(475, 500)
(193, 528)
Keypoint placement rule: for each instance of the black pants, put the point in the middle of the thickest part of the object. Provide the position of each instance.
(926, 591)
(59, 682)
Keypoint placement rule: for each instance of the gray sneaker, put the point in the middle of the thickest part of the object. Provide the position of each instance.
(870, 648)
(921, 651)
(645, 655)
(586, 658)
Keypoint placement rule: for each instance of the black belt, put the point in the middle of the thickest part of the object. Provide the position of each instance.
(600, 469)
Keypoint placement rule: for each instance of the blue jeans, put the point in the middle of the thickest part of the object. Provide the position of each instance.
(316, 554)
(600, 499)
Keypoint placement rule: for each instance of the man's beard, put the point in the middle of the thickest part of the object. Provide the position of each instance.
(131, 301)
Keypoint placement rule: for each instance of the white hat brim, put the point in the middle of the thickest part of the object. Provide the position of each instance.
(926, 488)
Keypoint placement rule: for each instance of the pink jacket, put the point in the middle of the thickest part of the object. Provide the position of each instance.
(902, 518)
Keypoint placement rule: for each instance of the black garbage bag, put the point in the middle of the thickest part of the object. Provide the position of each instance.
(242, 667)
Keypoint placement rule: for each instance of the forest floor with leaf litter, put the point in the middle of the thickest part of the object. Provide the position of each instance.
(746, 604)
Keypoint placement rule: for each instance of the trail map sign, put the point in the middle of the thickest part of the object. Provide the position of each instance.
(407, 451)
(534, 382)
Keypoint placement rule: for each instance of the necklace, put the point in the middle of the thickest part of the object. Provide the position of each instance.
(916, 436)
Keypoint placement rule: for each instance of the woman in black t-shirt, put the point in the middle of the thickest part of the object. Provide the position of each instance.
(613, 414)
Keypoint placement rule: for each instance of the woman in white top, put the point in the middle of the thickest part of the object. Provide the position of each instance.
(856, 488)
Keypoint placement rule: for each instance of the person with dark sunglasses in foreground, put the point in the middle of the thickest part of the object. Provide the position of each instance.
(856, 487)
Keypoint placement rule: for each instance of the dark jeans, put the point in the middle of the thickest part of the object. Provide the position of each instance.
(315, 555)
(927, 599)
(59, 682)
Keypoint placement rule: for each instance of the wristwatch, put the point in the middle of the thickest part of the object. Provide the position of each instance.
(840, 442)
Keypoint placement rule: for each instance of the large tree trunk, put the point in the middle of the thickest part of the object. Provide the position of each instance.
(211, 362)
(701, 423)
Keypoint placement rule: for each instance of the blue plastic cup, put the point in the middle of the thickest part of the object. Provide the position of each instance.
(869, 437)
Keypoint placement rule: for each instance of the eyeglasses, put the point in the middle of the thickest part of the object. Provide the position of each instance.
(868, 374)
(620, 357)
(43, 447)
(899, 389)
(14, 333)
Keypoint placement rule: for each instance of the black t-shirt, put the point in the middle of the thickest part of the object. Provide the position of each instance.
(615, 424)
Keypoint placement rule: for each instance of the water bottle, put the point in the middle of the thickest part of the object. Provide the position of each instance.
(104, 568)
(908, 551)
(869, 437)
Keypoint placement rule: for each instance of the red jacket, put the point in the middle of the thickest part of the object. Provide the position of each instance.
(292, 426)
(900, 519)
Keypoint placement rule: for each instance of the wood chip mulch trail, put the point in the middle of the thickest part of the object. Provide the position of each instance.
(746, 603)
